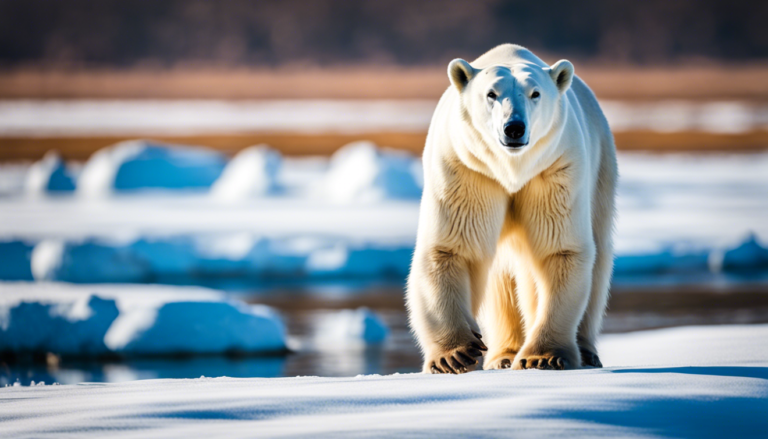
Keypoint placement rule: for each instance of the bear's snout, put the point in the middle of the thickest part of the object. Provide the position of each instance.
(515, 130)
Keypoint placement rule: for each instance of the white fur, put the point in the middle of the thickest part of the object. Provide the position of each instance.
(518, 240)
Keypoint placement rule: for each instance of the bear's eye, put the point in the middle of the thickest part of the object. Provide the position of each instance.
(491, 96)
(535, 95)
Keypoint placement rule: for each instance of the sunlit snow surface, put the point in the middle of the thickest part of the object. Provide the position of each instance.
(691, 382)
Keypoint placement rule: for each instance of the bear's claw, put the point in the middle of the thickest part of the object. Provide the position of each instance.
(551, 363)
(459, 360)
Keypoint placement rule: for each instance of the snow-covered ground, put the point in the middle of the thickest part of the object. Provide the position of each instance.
(354, 215)
(691, 382)
(151, 117)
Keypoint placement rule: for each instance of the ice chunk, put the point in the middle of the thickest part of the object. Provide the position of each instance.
(750, 255)
(358, 326)
(132, 320)
(15, 256)
(361, 172)
(88, 261)
(252, 172)
(139, 164)
(663, 261)
(197, 327)
(360, 260)
(63, 327)
(50, 174)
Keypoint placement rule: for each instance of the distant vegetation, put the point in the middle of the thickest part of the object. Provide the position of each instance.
(171, 33)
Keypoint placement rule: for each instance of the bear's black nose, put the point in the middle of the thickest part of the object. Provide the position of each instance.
(514, 130)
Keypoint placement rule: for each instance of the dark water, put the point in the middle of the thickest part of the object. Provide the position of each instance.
(632, 307)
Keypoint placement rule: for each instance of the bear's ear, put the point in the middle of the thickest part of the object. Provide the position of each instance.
(562, 73)
(460, 73)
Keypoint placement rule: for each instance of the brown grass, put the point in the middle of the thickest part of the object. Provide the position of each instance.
(695, 83)
(80, 148)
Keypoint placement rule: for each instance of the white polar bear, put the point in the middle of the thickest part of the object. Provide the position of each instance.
(516, 218)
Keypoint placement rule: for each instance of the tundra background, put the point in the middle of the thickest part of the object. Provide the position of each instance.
(197, 188)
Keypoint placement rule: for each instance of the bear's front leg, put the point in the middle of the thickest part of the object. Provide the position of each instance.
(439, 305)
(564, 279)
(559, 250)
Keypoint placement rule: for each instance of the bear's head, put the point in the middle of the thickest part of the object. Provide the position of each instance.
(511, 106)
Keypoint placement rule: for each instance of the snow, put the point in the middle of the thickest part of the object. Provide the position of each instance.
(252, 172)
(361, 172)
(50, 174)
(703, 382)
(46, 118)
(139, 164)
(351, 327)
(132, 320)
(347, 217)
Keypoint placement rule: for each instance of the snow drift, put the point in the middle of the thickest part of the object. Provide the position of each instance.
(252, 172)
(49, 175)
(140, 164)
(132, 320)
(362, 172)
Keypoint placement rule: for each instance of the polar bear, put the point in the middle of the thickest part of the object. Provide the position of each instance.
(516, 219)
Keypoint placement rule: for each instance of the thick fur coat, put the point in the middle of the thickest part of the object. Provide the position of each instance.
(514, 252)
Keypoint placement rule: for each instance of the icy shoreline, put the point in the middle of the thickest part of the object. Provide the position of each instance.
(143, 212)
(685, 382)
(307, 258)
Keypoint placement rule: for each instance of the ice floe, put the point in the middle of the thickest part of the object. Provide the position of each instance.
(140, 165)
(130, 320)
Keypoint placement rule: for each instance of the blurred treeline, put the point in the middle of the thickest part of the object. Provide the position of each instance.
(234, 33)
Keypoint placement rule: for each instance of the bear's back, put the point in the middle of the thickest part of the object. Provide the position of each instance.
(507, 54)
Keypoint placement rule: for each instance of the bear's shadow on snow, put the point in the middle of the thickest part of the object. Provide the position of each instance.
(723, 371)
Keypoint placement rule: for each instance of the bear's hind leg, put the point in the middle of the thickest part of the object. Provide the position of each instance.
(602, 226)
